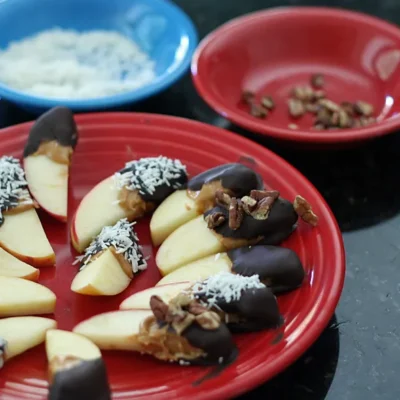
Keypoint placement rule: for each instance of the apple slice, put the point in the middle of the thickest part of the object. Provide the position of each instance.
(23, 236)
(141, 299)
(22, 297)
(12, 267)
(104, 276)
(198, 270)
(47, 156)
(174, 211)
(23, 333)
(190, 242)
(185, 205)
(116, 330)
(76, 367)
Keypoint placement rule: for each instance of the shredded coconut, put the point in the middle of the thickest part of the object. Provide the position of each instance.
(224, 286)
(3, 346)
(13, 185)
(68, 64)
(147, 174)
(123, 238)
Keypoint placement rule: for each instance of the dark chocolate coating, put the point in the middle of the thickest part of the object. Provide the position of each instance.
(215, 343)
(161, 192)
(257, 307)
(87, 380)
(56, 124)
(276, 228)
(236, 177)
(278, 267)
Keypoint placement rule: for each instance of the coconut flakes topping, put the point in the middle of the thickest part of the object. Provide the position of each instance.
(146, 174)
(13, 185)
(123, 238)
(3, 346)
(224, 286)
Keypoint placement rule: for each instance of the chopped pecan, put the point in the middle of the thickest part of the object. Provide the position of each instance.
(209, 320)
(262, 194)
(258, 111)
(363, 108)
(236, 214)
(303, 93)
(296, 108)
(215, 219)
(196, 308)
(312, 108)
(181, 321)
(304, 210)
(159, 308)
(347, 107)
(249, 204)
(247, 96)
(263, 208)
(329, 105)
(223, 199)
(319, 94)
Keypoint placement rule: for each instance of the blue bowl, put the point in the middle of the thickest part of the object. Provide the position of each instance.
(159, 27)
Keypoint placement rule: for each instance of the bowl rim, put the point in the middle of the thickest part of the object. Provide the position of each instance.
(262, 127)
(157, 85)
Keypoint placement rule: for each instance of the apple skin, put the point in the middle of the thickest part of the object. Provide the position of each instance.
(22, 229)
(23, 333)
(13, 267)
(141, 300)
(48, 184)
(22, 297)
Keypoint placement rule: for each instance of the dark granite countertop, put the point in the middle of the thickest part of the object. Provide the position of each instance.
(358, 355)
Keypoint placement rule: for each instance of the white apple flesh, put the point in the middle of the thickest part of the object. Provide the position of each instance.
(104, 276)
(174, 211)
(190, 242)
(141, 300)
(23, 333)
(97, 209)
(116, 330)
(48, 184)
(23, 236)
(12, 267)
(22, 297)
(199, 269)
(61, 343)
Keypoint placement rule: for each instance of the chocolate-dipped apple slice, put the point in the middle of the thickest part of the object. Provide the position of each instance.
(199, 196)
(19, 334)
(278, 267)
(130, 193)
(47, 157)
(110, 262)
(21, 232)
(181, 331)
(262, 217)
(76, 369)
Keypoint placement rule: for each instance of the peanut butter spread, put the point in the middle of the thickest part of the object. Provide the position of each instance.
(205, 198)
(123, 262)
(56, 152)
(164, 344)
(131, 201)
(21, 207)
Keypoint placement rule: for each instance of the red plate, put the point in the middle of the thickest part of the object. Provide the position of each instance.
(106, 142)
(271, 51)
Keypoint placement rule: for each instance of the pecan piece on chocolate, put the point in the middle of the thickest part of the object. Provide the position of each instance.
(263, 208)
(215, 219)
(262, 194)
(304, 210)
(196, 308)
(209, 320)
(249, 204)
(236, 214)
(180, 320)
(247, 96)
(223, 199)
(159, 308)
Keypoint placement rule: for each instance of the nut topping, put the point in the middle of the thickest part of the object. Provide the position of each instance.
(209, 320)
(236, 214)
(262, 194)
(363, 108)
(304, 210)
(268, 102)
(223, 199)
(159, 308)
(215, 219)
(249, 204)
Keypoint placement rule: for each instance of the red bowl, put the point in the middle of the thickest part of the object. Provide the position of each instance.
(106, 142)
(272, 51)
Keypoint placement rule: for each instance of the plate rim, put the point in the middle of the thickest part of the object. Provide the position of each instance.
(263, 372)
(301, 135)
